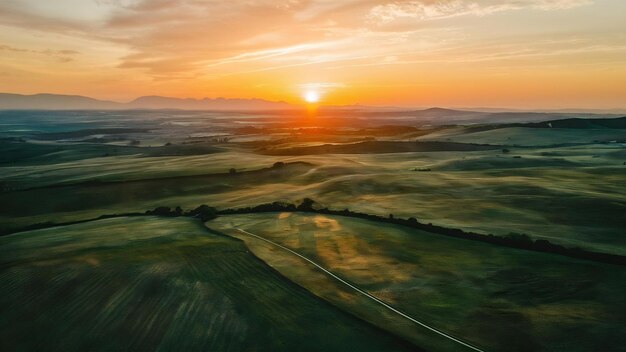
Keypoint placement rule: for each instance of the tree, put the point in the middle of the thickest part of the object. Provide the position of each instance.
(232, 171)
(203, 212)
(307, 204)
(160, 211)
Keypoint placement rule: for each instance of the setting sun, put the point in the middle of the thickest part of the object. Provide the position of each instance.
(311, 97)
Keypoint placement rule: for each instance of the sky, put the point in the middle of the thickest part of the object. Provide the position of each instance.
(529, 54)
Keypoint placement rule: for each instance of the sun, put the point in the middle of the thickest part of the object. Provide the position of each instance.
(311, 97)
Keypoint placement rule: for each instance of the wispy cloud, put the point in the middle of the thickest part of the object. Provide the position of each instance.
(432, 10)
(191, 38)
(63, 55)
(547, 53)
(268, 53)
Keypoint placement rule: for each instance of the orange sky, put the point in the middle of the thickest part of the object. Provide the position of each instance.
(454, 53)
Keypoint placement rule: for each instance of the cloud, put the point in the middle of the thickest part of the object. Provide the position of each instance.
(548, 5)
(184, 39)
(11, 48)
(432, 10)
(512, 54)
(63, 55)
(322, 86)
(188, 39)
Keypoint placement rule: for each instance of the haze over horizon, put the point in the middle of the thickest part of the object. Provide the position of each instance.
(533, 54)
(48, 101)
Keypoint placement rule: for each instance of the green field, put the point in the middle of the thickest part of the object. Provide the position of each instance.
(569, 195)
(521, 136)
(170, 284)
(160, 284)
(497, 298)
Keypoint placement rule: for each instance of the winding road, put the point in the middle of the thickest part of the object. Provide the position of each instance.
(365, 293)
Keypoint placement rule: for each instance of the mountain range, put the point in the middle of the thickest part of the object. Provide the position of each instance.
(10, 101)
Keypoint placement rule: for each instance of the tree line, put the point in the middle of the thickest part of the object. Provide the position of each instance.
(206, 213)
(518, 241)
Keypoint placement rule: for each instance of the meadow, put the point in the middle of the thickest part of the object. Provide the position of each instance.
(161, 284)
(571, 194)
(497, 298)
(564, 184)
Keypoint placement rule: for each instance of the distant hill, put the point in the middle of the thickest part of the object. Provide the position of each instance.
(76, 102)
(443, 112)
(577, 123)
(439, 116)
(158, 102)
(53, 102)
(595, 123)
(436, 115)
(379, 147)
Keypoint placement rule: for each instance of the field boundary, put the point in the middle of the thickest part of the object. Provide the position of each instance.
(206, 213)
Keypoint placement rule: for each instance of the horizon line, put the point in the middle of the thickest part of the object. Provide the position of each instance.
(485, 109)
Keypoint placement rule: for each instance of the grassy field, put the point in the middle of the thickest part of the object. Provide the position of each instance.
(569, 195)
(523, 136)
(150, 283)
(160, 284)
(497, 298)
